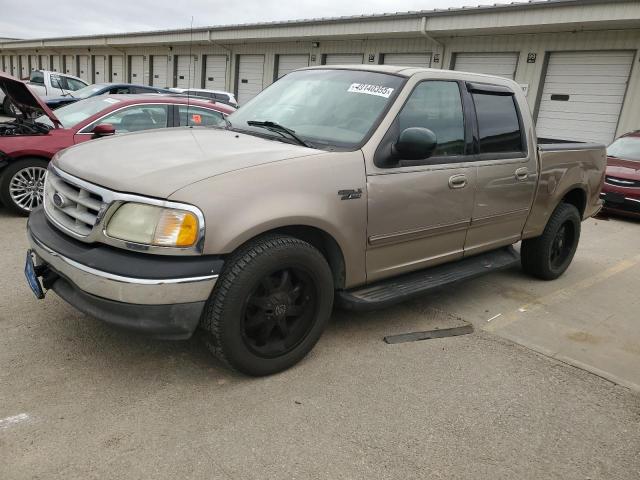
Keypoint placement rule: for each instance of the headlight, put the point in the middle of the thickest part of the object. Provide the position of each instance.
(151, 225)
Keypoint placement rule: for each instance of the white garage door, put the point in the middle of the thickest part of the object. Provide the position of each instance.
(136, 69)
(250, 75)
(160, 69)
(3, 63)
(407, 59)
(99, 69)
(44, 62)
(24, 66)
(342, 58)
(186, 71)
(583, 95)
(69, 66)
(15, 68)
(33, 65)
(215, 72)
(117, 69)
(55, 63)
(502, 64)
(289, 63)
(83, 67)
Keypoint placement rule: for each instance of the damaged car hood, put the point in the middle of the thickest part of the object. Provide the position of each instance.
(24, 100)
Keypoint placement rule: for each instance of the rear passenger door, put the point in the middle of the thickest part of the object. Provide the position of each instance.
(506, 169)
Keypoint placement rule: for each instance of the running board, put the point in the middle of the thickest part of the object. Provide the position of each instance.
(398, 289)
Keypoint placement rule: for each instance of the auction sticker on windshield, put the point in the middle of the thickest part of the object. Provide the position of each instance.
(377, 90)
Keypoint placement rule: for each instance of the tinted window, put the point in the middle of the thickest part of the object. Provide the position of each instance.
(437, 106)
(37, 77)
(194, 116)
(120, 91)
(135, 118)
(143, 90)
(498, 123)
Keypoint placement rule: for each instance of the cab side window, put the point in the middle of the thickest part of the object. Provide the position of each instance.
(437, 105)
(498, 124)
(195, 116)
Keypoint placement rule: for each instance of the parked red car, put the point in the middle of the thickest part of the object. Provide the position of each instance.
(621, 191)
(28, 142)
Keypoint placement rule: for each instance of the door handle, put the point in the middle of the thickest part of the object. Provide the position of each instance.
(458, 181)
(522, 173)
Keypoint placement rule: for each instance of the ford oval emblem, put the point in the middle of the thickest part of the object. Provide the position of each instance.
(58, 200)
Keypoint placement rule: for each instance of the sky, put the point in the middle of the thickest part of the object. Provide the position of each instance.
(52, 18)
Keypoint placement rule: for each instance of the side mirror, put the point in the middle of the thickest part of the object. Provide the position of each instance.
(416, 143)
(103, 130)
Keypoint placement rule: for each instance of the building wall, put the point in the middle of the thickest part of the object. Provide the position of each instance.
(444, 51)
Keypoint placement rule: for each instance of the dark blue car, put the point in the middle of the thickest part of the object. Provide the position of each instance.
(101, 89)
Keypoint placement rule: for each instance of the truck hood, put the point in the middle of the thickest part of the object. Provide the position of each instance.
(627, 169)
(25, 100)
(159, 162)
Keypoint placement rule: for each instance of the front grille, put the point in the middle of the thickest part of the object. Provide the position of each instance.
(621, 182)
(70, 206)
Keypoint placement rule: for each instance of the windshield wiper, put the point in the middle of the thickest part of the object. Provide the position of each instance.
(276, 127)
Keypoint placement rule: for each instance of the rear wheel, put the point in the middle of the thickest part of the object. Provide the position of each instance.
(22, 185)
(549, 255)
(270, 305)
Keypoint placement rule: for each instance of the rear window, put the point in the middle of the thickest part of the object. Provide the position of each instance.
(37, 77)
(627, 148)
(498, 124)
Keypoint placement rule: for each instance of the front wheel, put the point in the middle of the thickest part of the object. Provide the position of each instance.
(269, 306)
(22, 185)
(549, 255)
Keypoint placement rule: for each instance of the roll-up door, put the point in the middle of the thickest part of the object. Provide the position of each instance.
(342, 58)
(502, 64)
(250, 77)
(44, 62)
(289, 63)
(99, 69)
(583, 95)
(407, 59)
(215, 72)
(136, 69)
(15, 69)
(185, 71)
(83, 67)
(55, 63)
(159, 71)
(33, 63)
(117, 69)
(70, 66)
(24, 66)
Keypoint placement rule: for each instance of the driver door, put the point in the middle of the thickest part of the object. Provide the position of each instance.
(419, 211)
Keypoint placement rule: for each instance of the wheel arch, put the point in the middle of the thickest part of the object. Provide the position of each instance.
(320, 239)
(576, 196)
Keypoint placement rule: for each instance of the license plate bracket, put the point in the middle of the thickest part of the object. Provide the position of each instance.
(32, 277)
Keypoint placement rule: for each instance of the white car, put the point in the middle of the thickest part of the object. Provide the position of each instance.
(217, 95)
(47, 84)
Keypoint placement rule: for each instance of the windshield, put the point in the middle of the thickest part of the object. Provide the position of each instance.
(627, 148)
(89, 91)
(326, 108)
(72, 115)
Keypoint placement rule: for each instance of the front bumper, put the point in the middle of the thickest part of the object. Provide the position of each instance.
(159, 295)
(621, 203)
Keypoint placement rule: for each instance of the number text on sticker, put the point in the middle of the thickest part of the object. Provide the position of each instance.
(377, 90)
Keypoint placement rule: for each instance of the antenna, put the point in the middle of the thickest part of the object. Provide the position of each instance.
(189, 75)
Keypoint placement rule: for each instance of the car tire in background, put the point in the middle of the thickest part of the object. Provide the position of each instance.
(22, 185)
(270, 305)
(549, 255)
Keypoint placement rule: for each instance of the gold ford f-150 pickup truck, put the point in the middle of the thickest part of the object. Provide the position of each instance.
(356, 185)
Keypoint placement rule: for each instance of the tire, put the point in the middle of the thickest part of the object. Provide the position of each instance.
(22, 185)
(549, 255)
(260, 319)
(8, 108)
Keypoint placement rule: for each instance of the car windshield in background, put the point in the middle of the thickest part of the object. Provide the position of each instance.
(326, 108)
(626, 148)
(72, 115)
(89, 91)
